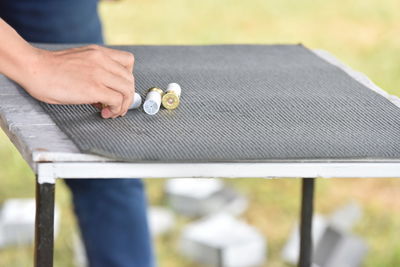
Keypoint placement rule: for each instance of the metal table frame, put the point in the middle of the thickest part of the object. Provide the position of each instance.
(52, 155)
(48, 172)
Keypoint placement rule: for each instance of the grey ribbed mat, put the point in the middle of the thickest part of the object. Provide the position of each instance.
(241, 103)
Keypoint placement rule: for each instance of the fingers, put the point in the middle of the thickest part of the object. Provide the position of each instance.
(120, 85)
(112, 100)
(120, 71)
(130, 101)
(99, 106)
(114, 72)
(124, 58)
(106, 113)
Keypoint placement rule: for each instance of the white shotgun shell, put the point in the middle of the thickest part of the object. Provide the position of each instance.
(137, 101)
(153, 101)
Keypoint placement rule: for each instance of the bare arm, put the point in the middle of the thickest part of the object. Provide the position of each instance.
(84, 75)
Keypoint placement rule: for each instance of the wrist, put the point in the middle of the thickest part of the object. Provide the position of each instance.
(25, 65)
(19, 60)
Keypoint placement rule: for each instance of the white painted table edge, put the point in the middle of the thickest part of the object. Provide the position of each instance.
(49, 172)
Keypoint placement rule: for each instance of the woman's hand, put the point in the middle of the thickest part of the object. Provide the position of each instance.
(84, 75)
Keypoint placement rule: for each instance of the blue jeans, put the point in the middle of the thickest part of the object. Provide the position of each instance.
(111, 212)
(112, 217)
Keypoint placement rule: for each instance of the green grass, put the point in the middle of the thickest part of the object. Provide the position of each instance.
(365, 34)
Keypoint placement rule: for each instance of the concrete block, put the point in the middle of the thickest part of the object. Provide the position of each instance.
(17, 221)
(346, 217)
(201, 197)
(290, 252)
(161, 220)
(338, 248)
(224, 241)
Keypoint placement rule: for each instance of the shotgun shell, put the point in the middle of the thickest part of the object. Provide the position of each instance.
(153, 101)
(137, 101)
(171, 98)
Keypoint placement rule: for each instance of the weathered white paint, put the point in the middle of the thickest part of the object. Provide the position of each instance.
(48, 172)
(43, 156)
(29, 127)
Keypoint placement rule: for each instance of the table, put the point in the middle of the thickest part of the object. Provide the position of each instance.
(52, 155)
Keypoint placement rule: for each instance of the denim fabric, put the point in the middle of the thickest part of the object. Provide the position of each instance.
(112, 216)
(54, 21)
(111, 212)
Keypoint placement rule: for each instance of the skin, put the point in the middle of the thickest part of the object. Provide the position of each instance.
(84, 75)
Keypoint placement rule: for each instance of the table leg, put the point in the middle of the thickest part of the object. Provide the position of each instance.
(220, 252)
(306, 246)
(44, 224)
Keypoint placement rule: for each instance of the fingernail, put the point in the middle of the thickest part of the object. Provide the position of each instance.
(105, 113)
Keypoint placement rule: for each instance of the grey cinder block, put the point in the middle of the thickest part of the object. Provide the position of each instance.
(224, 241)
(334, 245)
(338, 248)
(201, 197)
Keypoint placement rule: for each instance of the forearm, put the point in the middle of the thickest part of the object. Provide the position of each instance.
(17, 57)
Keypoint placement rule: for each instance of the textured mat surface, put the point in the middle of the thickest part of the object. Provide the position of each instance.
(241, 103)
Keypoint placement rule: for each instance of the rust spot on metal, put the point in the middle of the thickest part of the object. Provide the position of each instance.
(42, 158)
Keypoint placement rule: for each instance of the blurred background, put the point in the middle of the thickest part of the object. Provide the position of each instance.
(365, 34)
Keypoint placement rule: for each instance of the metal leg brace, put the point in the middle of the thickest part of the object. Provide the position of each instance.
(44, 225)
(306, 246)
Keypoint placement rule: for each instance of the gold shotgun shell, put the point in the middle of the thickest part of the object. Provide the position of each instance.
(170, 100)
